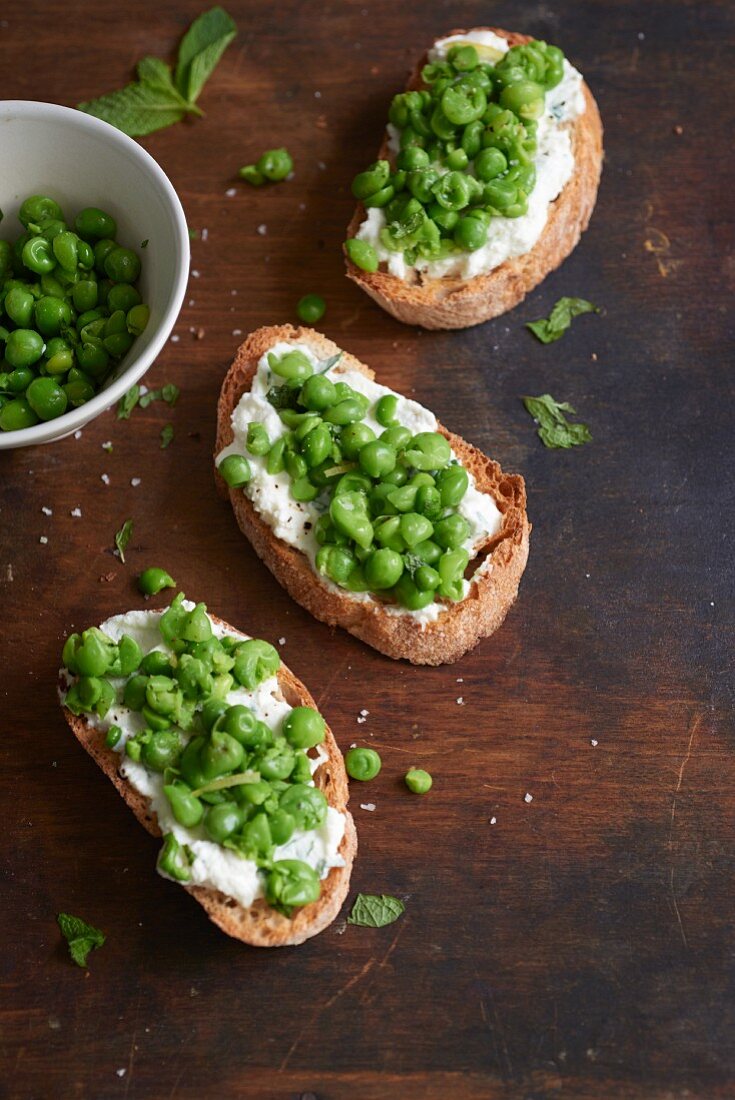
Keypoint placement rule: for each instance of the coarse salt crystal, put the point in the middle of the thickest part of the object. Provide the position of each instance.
(43, 540)
(360, 720)
(528, 797)
(281, 641)
(317, 95)
(135, 482)
(175, 338)
(120, 1072)
(237, 332)
(460, 700)
(231, 192)
(107, 445)
(262, 229)
(364, 712)
(367, 806)
(593, 743)
(47, 511)
(105, 478)
(195, 274)
(205, 234)
(78, 435)
(76, 512)
(493, 820)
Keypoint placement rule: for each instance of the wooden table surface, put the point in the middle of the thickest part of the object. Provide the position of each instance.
(576, 945)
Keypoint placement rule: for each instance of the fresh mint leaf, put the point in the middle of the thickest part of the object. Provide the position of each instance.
(554, 429)
(201, 48)
(80, 936)
(138, 108)
(551, 328)
(167, 435)
(122, 538)
(283, 397)
(170, 393)
(127, 403)
(375, 910)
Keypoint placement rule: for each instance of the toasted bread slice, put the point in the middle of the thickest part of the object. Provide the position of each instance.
(450, 303)
(461, 625)
(259, 925)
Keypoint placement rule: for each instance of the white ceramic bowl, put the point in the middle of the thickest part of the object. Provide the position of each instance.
(80, 161)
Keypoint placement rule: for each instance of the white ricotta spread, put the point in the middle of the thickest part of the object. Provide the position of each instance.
(214, 866)
(507, 237)
(292, 521)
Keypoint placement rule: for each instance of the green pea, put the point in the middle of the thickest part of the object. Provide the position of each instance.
(295, 465)
(457, 160)
(372, 180)
(122, 265)
(377, 458)
(258, 442)
(418, 781)
(525, 98)
(251, 175)
(112, 737)
(23, 348)
(85, 255)
(64, 248)
(38, 256)
(277, 762)
(78, 393)
(363, 764)
(317, 393)
(412, 157)
(428, 502)
(464, 57)
(415, 528)
(383, 569)
(186, 808)
(294, 365)
(118, 344)
(451, 531)
(253, 794)
(275, 462)
(452, 564)
(137, 319)
(386, 410)
(347, 411)
(39, 208)
(235, 471)
(255, 661)
(303, 727)
(173, 860)
(93, 358)
(470, 234)
(123, 296)
(220, 754)
(428, 451)
(46, 398)
(311, 308)
(410, 596)
(489, 164)
(291, 883)
(397, 437)
(282, 826)
(362, 254)
(102, 249)
(387, 533)
(153, 580)
(452, 483)
(19, 380)
(17, 414)
(222, 821)
(337, 562)
(304, 490)
(397, 477)
(348, 514)
(354, 437)
(257, 836)
(94, 224)
(463, 105)
(51, 315)
(426, 579)
(6, 259)
(403, 498)
(162, 695)
(85, 295)
(452, 191)
(275, 164)
(317, 446)
(114, 324)
(129, 656)
(163, 750)
(19, 306)
(307, 805)
(156, 663)
(420, 182)
(472, 139)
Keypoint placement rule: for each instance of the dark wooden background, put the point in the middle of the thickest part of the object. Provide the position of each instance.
(581, 946)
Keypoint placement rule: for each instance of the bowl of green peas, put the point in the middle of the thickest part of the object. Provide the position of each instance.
(94, 262)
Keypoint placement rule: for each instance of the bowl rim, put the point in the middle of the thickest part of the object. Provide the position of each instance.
(71, 421)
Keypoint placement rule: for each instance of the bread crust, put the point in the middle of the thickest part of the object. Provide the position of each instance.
(460, 627)
(259, 925)
(452, 303)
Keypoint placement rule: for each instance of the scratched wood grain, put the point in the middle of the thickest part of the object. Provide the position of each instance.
(576, 945)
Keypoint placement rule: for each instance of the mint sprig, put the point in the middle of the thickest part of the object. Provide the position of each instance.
(158, 99)
(554, 429)
(375, 910)
(80, 936)
(552, 328)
